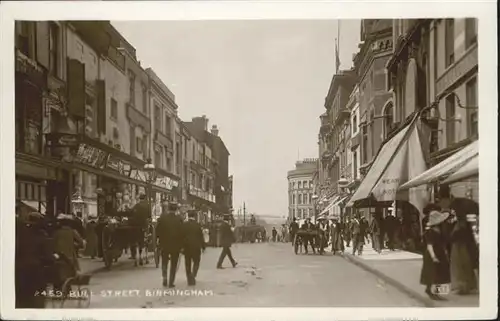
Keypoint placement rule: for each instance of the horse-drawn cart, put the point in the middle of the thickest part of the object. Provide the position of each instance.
(118, 233)
(315, 237)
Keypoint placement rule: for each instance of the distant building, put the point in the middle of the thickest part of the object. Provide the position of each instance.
(301, 188)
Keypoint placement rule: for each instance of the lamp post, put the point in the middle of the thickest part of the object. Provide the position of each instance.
(343, 183)
(315, 205)
(150, 170)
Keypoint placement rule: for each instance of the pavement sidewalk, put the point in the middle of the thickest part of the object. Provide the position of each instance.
(92, 266)
(402, 269)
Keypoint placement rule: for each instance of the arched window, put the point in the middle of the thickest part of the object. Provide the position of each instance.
(388, 118)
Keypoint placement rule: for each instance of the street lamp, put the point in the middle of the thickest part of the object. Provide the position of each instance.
(315, 205)
(343, 183)
(150, 170)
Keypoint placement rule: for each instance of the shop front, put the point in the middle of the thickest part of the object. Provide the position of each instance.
(109, 180)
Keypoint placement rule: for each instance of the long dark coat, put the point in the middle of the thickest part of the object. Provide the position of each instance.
(227, 235)
(170, 232)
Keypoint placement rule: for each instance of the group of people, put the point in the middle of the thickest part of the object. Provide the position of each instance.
(46, 253)
(177, 236)
(330, 233)
(451, 254)
(281, 236)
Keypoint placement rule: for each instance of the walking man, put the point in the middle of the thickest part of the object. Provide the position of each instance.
(170, 233)
(227, 239)
(194, 245)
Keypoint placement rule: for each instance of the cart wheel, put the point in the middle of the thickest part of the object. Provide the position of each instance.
(66, 289)
(84, 296)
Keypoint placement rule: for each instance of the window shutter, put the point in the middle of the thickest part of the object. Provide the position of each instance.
(76, 88)
(101, 106)
(42, 43)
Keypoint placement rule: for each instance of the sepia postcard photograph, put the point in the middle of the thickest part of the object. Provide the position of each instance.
(248, 159)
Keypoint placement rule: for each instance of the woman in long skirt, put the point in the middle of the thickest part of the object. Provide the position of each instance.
(436, 267)
(464, 257)
(337, 239)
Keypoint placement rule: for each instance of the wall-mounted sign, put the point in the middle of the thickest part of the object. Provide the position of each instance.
(166, 182)
(61, 140)
(201, 194)
(119, 165)
(92, 156)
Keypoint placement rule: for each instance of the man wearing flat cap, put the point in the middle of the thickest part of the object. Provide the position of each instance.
(170, 233)
(194, 244)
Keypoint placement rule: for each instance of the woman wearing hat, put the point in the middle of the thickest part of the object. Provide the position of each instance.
(66, 243)
(436, 266)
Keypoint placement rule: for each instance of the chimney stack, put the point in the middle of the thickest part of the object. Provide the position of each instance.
(215, 130)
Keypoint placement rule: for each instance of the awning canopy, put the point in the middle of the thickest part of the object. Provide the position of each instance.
(468, 170)
(446, 167)
(330, 206)
(387, 170)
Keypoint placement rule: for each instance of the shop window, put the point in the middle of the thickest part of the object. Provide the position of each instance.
(450, 41)
(450, 120)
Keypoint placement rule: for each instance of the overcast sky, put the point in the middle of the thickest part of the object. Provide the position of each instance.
(262, 82)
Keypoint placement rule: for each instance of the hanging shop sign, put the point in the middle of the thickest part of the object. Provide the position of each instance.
(194, 191)
(61, 140)
(91, 156)
(166, 182)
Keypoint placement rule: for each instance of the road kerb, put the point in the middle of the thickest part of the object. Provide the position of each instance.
(119, 263)
(427, 302)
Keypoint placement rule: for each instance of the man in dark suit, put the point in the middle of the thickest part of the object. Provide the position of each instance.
(194, 244)
(170, 233)
(227, 239)
(294, 228)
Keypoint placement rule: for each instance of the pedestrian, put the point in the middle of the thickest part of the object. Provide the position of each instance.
(91, 246)
(435, 267)
(139, 220)
(274, 233)
(194, 245)
(390, 227)
(227, 239)
(308, 238)
(359, 230)
(336, 235)
(376, 232)
(347, 232)
(294, 228)
(206, 235)
(33, 260)
(464, 256)
(67, 241)
(169, 231)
